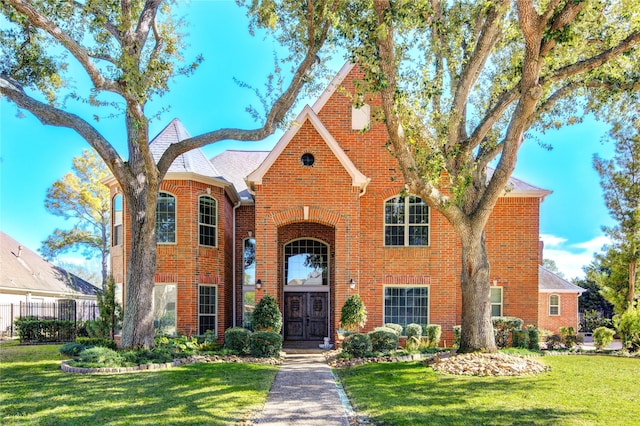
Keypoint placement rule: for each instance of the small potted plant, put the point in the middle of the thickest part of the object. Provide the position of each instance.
(353, 315)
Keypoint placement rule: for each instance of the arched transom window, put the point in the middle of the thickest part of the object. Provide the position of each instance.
(306, 263)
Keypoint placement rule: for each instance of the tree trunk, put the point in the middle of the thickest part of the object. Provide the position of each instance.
(632, 283)
(137, 330)
(476, 327)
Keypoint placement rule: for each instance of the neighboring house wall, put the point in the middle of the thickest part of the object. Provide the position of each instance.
(567, 311)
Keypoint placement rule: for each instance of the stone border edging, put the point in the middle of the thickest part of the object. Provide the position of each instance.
(117, 370)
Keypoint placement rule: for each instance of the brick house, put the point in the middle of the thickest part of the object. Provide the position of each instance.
(315, 220)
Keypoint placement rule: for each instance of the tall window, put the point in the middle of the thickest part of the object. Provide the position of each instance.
(118, 234)
(406, 305)
(496, 301)
(207, 220)
(306, 263)
(206, 308)
(554, 305)
(164, 309)
(406, 222)
(248, 281)
(166, 218)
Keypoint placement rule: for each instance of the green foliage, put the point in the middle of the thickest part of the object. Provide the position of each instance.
(432, 334)
(179, 346)
(265, 344)
(146, 356)
(592, 319)
(353, 314)
(457, 330)
(628, 326)
(520, 339)
(111, 312)
(383, 340)
(266, 315)
(503, 327)
(237, 339)
(397, 328)
(357, 345)
(98, 357)
(72, 349)
(569, 336)
(43, 331)
(602, 337)
(534, 337)
(96, 341)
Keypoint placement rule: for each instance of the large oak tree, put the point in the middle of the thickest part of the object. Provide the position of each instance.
(461, 84)
(130, 50)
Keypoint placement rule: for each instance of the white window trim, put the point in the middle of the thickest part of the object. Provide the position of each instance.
(175, 241)
(117, 222)
(550, 305)
(407, 286)
(406, 225)
(215, 227)
(215, 308)
(501, 300)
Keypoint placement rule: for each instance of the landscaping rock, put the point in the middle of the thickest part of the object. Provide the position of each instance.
(487, 364)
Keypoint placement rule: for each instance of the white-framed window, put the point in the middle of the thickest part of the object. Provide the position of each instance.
(207, 308)
(207, 220)
(406, 221)
(306, 263)
(405, 305)
(164, 309)
(554, 305)
(496, 301)
(118, 232)
(166, 218)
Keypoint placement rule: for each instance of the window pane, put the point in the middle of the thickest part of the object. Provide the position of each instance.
(166, 218)
(496, 310)
(418, 236)
(406, 305)
(496, 295)
(249, 257)
(206, 309)
(306, 263)
(164, 309)
(249, 304)
(406, 222)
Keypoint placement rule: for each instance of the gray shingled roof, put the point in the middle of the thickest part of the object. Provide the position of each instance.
(25, 270)
(235, 165)
(193, 161)
(548, 282)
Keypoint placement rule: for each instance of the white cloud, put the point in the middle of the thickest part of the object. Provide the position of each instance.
(571, 258)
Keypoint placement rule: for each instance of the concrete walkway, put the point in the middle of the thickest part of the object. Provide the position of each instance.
(304, 393)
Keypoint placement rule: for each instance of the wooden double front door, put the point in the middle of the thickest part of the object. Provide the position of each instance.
(306, 315)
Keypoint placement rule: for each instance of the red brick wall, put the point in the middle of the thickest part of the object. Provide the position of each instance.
(568, 312)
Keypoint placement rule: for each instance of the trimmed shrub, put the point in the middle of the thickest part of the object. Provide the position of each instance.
(520, 339)
(146, 356)
(432, 334)
(72, 349)
(237, 339)
(96, 341)
(628, 326)
(353, 314)
(534, 337)
(456, 336)
(397, 328)
(383, 341)
(602, 337)
(569, 337)
(32, 330)
(265, 344)
(414, 335)
(503, 327)
(99, 357)
(357, 345)
(267, 316)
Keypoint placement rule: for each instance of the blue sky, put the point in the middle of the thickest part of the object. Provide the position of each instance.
(33, 156)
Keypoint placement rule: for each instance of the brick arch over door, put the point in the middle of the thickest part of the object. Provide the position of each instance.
(314, 214)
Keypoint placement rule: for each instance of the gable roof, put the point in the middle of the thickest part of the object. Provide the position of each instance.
(22, 271)
(548, 282)
(307, 114)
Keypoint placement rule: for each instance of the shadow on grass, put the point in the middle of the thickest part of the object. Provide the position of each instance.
(40, 393)
(412, 394)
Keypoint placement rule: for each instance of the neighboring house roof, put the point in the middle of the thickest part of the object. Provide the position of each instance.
(235, 165)
(307, 114)
(548, 282)
(23, 271)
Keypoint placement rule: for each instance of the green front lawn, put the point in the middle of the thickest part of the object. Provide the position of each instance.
(34, 391)
(579, 390)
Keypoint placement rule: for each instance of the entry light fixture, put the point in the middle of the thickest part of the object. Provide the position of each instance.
(352, 284)
(259, 284)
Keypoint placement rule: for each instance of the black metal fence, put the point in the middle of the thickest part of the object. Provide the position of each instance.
(69, 310)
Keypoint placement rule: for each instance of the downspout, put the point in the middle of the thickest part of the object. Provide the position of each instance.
(233, 268)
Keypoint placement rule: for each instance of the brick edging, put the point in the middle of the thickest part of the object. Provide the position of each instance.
(116, 370)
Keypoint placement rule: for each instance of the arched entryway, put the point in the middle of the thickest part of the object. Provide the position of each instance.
(306, 281)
